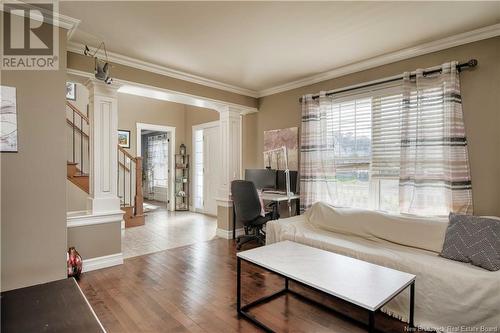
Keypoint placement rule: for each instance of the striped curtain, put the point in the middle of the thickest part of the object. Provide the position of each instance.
(317, 170)
(434, 172)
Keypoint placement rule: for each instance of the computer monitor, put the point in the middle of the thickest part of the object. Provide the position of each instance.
(262, 178)
(281, 180)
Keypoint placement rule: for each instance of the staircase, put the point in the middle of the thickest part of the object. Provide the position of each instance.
(78, 154)
(129, 176)
(130, 188)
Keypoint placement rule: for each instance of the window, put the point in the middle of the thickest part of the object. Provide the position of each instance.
(365, 131)
(198, 169)
(157, 161)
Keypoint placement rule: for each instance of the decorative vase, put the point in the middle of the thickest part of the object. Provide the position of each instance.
(74, 263)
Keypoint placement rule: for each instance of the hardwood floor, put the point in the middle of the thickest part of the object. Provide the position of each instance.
(193, 289)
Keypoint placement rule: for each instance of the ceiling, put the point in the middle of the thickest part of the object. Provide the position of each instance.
(259, 45)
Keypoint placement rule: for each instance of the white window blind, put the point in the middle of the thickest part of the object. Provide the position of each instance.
(386, 133)
(365, 129)
(350, 126)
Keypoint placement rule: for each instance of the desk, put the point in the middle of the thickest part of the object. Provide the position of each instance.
(274, 197)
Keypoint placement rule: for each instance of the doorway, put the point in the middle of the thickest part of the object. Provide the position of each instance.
(155, 144)
(206, 143)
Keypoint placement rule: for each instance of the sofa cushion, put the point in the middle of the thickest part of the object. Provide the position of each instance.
(474, 240)
(417, 232)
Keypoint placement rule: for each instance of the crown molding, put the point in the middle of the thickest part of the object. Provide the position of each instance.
(437, 45)
(172, 95)
(158, 69)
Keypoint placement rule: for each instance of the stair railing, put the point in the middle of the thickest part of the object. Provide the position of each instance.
(79, 126)
(129, 181)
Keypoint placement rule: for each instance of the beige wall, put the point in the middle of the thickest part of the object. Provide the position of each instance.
(76, 198)
(86, 64)
(249, 144)
(96, 240)
(481, 106)
(33, 181)
(136, 109)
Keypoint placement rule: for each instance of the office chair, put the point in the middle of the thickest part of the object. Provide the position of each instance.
(247, 207)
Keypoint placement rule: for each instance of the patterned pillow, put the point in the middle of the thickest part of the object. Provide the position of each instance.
(474, 240)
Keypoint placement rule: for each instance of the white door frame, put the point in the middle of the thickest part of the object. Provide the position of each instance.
(171, 148)
(195, 128)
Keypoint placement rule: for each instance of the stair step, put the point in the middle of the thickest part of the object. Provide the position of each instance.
(80, 174)
(77, 177)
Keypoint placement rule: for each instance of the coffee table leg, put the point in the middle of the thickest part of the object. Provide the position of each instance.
(371, 322)
(411, 323)
(238, 285)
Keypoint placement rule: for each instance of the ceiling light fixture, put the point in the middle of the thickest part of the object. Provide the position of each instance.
(101, 67)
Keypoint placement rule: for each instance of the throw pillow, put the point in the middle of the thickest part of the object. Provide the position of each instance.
(474, 240)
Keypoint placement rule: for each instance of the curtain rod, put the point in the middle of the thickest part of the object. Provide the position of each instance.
(469, 64)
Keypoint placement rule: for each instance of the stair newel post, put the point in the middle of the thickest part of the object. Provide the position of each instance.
(81, 144)
(124, 181)
(130, 182)
(138, 186)
(74, 124)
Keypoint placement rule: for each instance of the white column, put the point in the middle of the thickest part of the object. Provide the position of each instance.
(230, 132)
(103, 116)
(230, 141)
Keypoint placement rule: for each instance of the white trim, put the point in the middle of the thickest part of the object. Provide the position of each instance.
(228, 234)
(91, 309)
(163, 70)
(214, 123)
(195, 128)
(437, 45)
(170, 95)
(85, 218)
(93, 264)
(171, 148)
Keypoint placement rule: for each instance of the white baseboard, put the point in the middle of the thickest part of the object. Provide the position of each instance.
(102, 262)
(228, 234)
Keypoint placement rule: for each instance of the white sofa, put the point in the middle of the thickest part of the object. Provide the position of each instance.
(449, 294)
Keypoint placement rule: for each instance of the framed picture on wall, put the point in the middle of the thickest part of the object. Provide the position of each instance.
(8, 120)
(71, 91)
(124, 138)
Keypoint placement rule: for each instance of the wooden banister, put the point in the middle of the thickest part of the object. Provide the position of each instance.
(123, 166)
(75, 110)
(126, 153)
(139, 199)
(138, 210)
(70, 123)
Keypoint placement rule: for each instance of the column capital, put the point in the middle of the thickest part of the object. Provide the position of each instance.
(233, 110)
(98, 87)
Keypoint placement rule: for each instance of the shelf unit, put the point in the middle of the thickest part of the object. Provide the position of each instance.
(182, 182)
